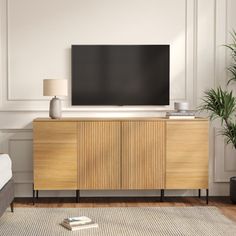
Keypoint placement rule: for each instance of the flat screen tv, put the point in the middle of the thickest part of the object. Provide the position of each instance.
(120, 74)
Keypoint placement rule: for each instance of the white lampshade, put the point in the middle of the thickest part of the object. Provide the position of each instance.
(54, 87)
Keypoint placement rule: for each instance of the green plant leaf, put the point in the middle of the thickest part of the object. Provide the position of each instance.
(232, 48)
(219, 103)
(229, 132)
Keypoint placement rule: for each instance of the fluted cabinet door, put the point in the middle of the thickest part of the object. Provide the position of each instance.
(143, 154)
(99, 155)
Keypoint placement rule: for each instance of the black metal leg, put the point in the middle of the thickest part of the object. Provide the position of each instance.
(12, 206)
(33, 195)
(77, 195)
(207, 196)
(37, 194)
(199, 193)
(162, 195)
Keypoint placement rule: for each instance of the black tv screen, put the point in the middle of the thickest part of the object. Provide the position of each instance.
(120, 74)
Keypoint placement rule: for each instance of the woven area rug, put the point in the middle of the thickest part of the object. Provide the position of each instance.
(119, 221)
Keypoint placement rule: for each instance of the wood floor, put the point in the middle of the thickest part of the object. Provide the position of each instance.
(222, 203)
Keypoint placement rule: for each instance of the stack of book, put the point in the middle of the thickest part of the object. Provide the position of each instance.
(77, 223)
(181, 115)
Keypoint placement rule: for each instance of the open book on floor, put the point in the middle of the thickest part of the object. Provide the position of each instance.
(77, 223)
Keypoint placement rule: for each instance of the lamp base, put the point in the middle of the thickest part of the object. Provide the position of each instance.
(55, 108)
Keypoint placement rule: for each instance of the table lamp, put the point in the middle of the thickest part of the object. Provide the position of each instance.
(55, 87)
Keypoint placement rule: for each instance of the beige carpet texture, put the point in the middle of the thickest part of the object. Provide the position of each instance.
(150, 221)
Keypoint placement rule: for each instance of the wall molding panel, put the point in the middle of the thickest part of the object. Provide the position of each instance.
(14, 97)
(198, 62)
(18, 144)
(224, 155)
(225, 161)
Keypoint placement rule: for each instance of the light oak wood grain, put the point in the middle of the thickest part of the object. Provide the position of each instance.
(186, 155)
(55, 155)
(55, 132)
(143, 154)
(120, 154)
(72, 119)
(99, 155)
(55, 166)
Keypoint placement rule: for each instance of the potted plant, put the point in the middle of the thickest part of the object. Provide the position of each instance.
(221, 103)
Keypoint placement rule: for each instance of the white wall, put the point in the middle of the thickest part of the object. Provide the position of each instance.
(36, 36)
